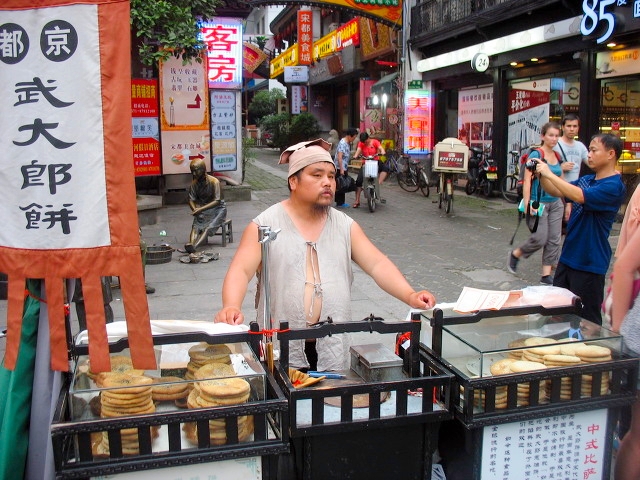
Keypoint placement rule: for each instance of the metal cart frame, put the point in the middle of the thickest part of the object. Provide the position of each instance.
(269, 415)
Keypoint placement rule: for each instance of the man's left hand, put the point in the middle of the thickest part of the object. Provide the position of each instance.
(422, 299)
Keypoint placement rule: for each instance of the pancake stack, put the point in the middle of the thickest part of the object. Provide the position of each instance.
(219, 392)
(125, 395)
(525, 366)
(594, 354)
(203, 353)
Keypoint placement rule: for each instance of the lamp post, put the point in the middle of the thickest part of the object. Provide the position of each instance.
(385, 98)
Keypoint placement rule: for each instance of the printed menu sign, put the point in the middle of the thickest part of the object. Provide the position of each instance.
(564, 447)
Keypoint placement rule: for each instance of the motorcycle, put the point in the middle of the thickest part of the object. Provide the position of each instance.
(482, 173)
(371, 185)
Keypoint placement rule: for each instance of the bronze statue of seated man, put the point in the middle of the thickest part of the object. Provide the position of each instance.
(208, 208)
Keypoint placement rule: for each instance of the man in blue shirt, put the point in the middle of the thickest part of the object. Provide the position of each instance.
(596, 199)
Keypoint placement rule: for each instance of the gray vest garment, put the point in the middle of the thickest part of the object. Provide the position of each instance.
(287, 261)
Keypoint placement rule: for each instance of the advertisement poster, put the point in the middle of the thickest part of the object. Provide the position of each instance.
(533, 448)
(528, 112)
(375, 38)
(370, 117)
(475, 117)
(184, 110)
(145, 129)
(299, 99)
(418, 136)
(224, 134)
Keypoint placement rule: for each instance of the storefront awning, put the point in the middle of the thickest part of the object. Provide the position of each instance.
(386, 85)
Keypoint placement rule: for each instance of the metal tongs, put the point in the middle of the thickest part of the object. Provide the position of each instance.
(266, 236)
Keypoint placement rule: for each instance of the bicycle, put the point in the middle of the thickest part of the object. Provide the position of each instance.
(445, 191)
(392, 157)
(411, 175)
(509, 184)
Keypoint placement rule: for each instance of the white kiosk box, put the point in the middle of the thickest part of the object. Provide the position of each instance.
(450, 155)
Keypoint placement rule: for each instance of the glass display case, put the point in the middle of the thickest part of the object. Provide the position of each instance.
(518, 362)
(183, 367)
(473, 348)
(210, 398)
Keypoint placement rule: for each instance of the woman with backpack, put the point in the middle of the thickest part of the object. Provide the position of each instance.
(546, 210)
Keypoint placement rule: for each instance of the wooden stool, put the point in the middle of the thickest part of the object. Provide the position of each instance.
(226, 231)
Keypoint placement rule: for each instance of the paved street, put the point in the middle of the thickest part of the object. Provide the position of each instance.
(439, 252)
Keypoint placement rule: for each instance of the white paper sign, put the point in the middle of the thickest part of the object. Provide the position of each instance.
(242, 468)
(564, 447)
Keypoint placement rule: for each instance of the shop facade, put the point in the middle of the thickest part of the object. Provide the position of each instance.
(532, 75)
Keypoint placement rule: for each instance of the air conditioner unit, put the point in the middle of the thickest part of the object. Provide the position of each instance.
(333, 26)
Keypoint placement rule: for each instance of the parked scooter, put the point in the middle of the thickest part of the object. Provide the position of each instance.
(482, 173)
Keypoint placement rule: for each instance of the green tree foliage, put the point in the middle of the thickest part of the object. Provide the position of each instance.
(264, 103)
(166, 27)
(288, 130)
(303, 127)
(277, 125)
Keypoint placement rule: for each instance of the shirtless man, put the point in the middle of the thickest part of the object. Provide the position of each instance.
(310, 268)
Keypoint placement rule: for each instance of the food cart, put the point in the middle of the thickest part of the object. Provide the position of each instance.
(379, 421)
(252, 432)
(553, 421)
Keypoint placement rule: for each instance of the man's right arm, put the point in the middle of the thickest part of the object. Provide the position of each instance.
(243, 267)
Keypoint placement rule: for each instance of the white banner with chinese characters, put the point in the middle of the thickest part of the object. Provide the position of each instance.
(66, 169)
(567, 447)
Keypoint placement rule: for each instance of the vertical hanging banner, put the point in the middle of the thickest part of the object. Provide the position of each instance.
(418, 105)
(223, 37)
(144, 126)
(66, 168)
(305, 37)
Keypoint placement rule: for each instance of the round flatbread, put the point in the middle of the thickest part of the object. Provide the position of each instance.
(501, 367)
(214, 370)
(521, 366)
(537, 341)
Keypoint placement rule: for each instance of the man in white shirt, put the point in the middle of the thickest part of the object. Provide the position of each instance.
(573, 153)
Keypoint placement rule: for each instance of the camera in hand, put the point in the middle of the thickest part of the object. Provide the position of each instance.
(530, 165)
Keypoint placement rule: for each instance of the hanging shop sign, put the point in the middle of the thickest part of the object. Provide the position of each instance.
(375, 39)
(480, 62)
(288, 58)
(305, 37)
(348, 34)
(224, 134)
(618, 63)
(223, 37)
(602, 19)
(66, 142)
(252, 56)
(296, 74)
(145, 130)
(299, 99)
(418, 128)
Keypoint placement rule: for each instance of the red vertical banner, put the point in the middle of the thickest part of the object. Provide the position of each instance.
(305, 37)
(66, 168)
(144, 127)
